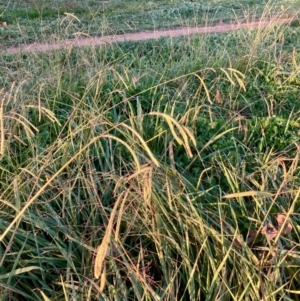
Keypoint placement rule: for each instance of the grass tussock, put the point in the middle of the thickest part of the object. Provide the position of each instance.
(157, 170)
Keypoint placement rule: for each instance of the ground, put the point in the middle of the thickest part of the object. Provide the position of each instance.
(161, 169)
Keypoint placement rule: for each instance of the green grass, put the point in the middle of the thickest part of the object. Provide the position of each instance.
(178, 152)
(30, 21)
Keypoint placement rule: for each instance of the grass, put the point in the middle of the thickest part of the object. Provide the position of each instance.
(30, 21)
(155, 170)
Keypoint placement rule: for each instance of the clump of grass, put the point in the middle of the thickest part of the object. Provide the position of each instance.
(179, 158)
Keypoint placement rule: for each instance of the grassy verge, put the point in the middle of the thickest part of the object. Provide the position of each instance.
(30, 21)
(178, 157)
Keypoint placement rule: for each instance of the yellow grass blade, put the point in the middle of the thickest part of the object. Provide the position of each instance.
(184, 132)
(135, 158)
(44, 296)
(102, 280)
(228, 77)
(205, 88)
(19, 271)
(215, 138)
(103, 248)
(72, 16)
(147, 149)
(247, 193)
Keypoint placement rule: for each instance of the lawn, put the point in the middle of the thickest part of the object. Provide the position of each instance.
(155, 170)
(40, 20)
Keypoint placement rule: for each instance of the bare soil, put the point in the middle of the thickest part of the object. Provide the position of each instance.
(141, 36)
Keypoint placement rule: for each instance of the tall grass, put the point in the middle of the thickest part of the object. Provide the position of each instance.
(159, 170)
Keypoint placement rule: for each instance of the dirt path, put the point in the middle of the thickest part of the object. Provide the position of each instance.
(140, 36)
